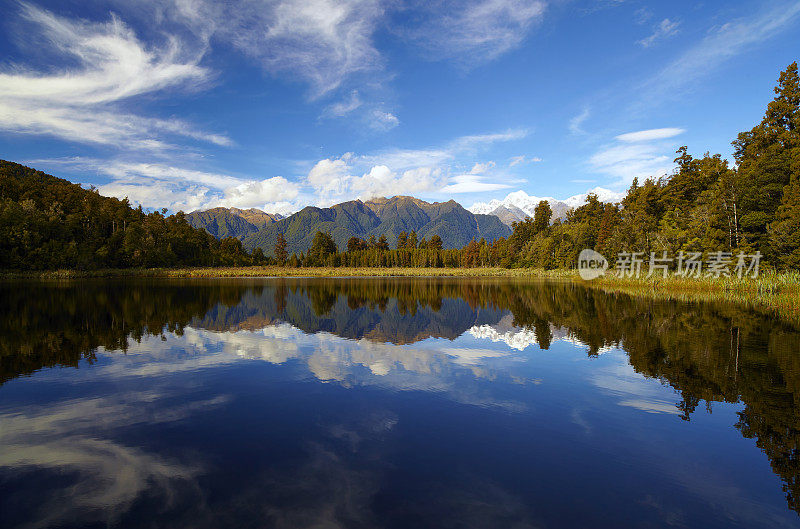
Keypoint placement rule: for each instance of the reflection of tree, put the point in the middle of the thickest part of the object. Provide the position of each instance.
(42, 326)
(712, 352)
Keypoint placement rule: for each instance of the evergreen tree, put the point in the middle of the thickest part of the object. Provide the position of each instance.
(322, 247)
(541, 216)
(769, 157)
(281, 253)
(382, 244)
(402, 240)
(785, 231)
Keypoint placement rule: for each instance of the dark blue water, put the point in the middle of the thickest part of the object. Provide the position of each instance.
(391, 403)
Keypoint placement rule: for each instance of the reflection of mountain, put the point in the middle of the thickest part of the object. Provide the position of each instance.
(313, 311)
(706, 351)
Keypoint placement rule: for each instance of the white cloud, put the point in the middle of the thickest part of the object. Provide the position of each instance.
(111, 65)
(626, 161)
(650, 135)
(383, 120)
(519, 160)
(482, 168)
(406, 171)
(666, 28)
(475, 30)
(321, 41)
(576, 123)
(156, 185)
(344, 107)
(471, 183)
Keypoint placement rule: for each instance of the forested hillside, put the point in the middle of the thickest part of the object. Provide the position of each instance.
(49, 223)
(705, 206)
(231, 222)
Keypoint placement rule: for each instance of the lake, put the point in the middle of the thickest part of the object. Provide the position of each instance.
(295, 403)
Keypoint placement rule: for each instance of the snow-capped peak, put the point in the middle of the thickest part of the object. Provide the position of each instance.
(521, 204)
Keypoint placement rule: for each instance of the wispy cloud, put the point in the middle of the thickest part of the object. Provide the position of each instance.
(81, 103)
(720, 44)
(576, 123)
(475, 30)
(382, 120)
(343, 107)
(522, 160)
(321, 41)
(666, 28)
(650, 134)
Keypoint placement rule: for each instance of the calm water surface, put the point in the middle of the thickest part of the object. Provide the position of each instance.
(391, 403)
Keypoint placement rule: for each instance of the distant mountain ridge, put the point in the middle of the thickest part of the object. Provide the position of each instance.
(231, 222)
(518, 205)
(381, 216)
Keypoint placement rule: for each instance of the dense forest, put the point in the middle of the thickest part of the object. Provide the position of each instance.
(707, 205)
(50, 223)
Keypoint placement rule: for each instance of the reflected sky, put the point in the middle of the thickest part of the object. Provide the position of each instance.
(372, 403)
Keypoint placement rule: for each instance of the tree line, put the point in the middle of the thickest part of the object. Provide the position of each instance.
(51, 223)
(705, 206)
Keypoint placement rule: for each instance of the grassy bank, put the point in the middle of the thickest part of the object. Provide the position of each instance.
(277, 271)
(771, 291)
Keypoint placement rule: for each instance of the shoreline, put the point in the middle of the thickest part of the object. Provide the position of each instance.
(771, 291)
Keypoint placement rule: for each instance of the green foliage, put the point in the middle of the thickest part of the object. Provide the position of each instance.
(785, 231)
(322, 248)
(281, 253)
(50, 223)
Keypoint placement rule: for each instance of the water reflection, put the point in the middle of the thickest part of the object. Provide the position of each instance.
(165, 364)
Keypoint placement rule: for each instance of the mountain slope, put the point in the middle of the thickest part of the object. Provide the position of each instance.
(231, 222)
(518, 205)
(385, 216)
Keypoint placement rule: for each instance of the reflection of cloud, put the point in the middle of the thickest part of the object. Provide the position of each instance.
(520, 338)
(635, 392)
(107, 476)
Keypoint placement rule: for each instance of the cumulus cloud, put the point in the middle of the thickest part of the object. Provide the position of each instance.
(407, 171)
(666, 28)
(333, 180)
(475, 30)
(177, 188)
(81, 103)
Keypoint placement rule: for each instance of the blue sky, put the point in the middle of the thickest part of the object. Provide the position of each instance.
(280, 104)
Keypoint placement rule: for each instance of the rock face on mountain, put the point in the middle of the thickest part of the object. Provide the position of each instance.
(231, 222)
(519, 205)
(384, 216)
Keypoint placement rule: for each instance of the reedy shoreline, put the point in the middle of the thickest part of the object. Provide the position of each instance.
(779, 292)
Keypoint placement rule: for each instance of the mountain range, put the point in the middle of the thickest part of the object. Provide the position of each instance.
(518, 205)
(381, 216)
